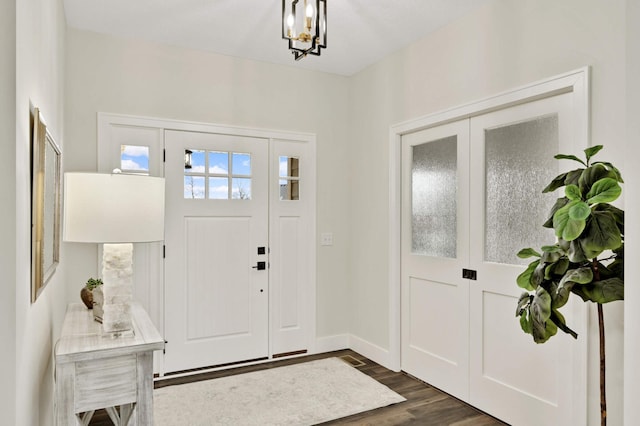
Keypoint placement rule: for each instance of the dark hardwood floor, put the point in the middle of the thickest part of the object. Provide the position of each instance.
(425, 405)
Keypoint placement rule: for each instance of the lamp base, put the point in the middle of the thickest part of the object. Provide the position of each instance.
(117, 275)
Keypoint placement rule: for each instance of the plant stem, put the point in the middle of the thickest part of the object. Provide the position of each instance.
(603, 393)
(603, 396)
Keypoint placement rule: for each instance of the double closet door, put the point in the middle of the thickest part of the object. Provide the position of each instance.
(471, 192)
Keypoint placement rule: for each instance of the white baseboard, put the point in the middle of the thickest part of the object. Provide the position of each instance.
(332, 343)
(348, 341)
(374, 352)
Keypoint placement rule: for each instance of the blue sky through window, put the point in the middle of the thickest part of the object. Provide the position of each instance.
(134, 158)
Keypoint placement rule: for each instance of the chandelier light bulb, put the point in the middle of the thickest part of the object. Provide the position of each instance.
(290, 22)
(310, 35)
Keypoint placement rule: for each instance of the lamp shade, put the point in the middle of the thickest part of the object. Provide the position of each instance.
(113, 208)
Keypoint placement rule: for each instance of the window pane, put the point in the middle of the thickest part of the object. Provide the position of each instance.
(289, 167)
(434, 198)
(519, 163)
(289, 189)
(134, 158)
(219, 162)
(241, 164)
(197, 161)
(218, 188)
(241, 189)
(194, 187)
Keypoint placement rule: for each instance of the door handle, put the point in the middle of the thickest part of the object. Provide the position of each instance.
(260, 266)
(469, 274)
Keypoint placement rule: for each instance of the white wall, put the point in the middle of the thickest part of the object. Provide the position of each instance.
(40, 32)
(7, 214)
(632, 210)
(502, 45)
(140, 78)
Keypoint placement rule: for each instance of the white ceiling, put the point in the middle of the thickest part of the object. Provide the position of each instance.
(360, 32)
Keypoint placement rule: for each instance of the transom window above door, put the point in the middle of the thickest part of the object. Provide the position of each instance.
(217, 175)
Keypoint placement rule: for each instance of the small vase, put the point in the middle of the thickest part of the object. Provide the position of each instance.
(87, 297)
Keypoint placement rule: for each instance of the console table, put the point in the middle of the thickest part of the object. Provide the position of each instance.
(95, 371)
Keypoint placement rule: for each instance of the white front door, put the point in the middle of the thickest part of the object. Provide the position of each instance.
(471, 200)
(216, 276)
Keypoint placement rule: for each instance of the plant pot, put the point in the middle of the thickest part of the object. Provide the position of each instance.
(87, 297)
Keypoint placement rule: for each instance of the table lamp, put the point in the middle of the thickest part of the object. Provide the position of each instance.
(115, 210)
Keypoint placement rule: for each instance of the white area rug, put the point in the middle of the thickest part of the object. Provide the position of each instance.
(301, 394)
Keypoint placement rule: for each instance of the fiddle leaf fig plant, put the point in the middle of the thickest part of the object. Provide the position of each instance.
(587, 259)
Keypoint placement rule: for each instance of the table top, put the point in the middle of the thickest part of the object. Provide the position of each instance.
(82, 337)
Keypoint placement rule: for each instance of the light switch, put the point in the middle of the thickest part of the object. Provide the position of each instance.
(326, 239)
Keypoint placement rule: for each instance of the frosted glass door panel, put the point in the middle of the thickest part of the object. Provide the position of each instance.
(434, 194)
(519, 163)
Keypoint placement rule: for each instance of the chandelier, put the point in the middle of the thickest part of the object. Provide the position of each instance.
(306, 29)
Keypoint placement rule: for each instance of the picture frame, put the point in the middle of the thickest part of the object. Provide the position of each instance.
(45, 205)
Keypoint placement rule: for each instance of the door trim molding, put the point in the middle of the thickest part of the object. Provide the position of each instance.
(105, 120)
(575, 82)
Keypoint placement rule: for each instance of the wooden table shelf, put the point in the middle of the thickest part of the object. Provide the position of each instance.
(96, 371)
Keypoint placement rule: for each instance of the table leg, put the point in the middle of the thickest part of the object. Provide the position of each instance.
(143, 413)
(64, 393)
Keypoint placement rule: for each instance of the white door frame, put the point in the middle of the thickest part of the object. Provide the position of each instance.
(105, 160)
(575, 82)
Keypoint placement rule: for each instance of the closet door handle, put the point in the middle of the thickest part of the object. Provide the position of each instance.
(469, 274)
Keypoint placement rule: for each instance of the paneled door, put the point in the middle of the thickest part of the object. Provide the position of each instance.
(511, 377)
(216, 276)
(471, 200)
(435, 248)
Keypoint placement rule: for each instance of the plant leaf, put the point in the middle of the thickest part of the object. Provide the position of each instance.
(537, 277)
(542, 335)
(603, 291)
(523, 301)
(576, 253)
(565, 227)
(582, 275)
(591, 151)
(579, 211)
(558, 319)
(613, 169)
(550, 249)
(550, 256)
(560, 203)
(540, 311)
(541, 306)
(601, 234)
(525, 323)
(579, 276)
(556, 183)
(572, 192)
(524, 279)
(528, 252)
(569, 157)
(573, 177)
(560, 219)
(591, 175)
(561, 266)
(604, 191)
(561, 296)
